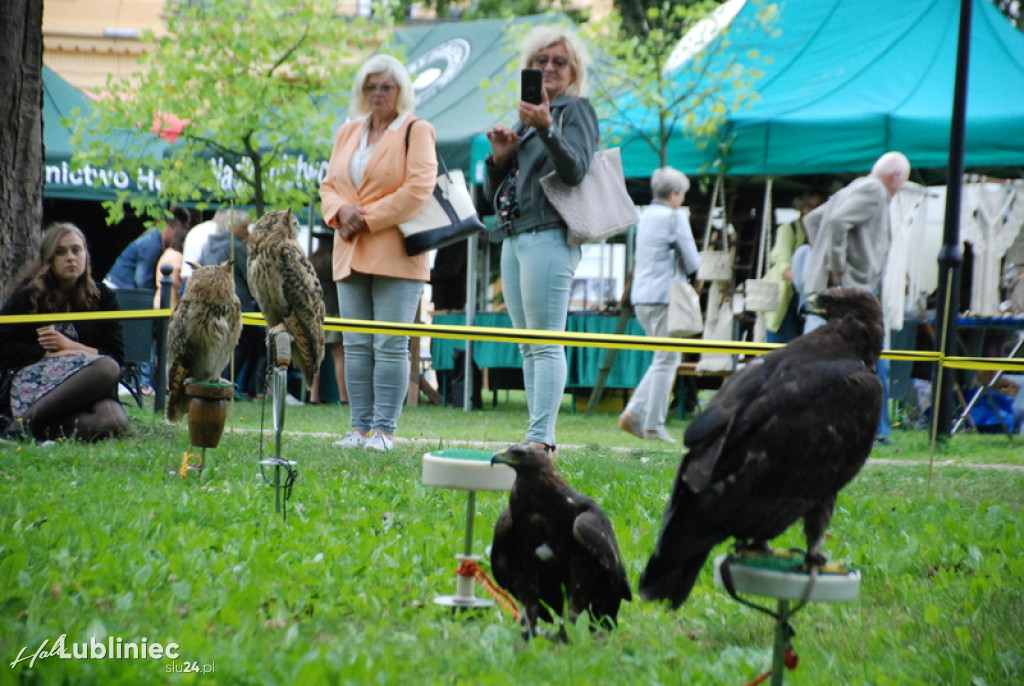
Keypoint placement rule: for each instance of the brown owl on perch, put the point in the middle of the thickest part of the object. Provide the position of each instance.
(202, 333)
(287, 289)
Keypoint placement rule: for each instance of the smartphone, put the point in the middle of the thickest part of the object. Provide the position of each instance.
(533, 82)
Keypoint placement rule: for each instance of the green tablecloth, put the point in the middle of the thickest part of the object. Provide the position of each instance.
(583, 363)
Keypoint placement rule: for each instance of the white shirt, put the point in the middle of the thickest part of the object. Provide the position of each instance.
(195, 239)
(361, 157)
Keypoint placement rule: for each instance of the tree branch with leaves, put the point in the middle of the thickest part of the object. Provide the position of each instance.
(653, 88)
(258, 85)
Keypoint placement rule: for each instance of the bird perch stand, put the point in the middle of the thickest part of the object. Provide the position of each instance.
(470, 471)
(207, 411)
(781, 575)
(279, 344)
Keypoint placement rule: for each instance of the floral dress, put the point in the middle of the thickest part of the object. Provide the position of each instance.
(32, 382)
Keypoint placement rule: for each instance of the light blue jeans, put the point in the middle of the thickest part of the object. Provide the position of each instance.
(884, 425)
(377, 365)
(536, 277)
(649, 403)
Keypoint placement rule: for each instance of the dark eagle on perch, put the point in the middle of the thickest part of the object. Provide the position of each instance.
(775, 444)
(555, 549)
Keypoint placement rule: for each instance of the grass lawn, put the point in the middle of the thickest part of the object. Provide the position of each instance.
(106, 542)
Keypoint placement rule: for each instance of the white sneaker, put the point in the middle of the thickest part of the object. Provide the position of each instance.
(659, 435)
(353, 439)
(292, 400)
(380, 441)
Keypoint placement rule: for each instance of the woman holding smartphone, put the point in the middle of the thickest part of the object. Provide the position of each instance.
(559, 134)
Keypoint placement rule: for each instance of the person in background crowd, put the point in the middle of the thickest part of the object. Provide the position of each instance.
(665, 252)
(850, 238)
(382, 170)
(322, 259)
(172, 256)
(63, 375)
(558, 135)
(135, 267)
(785, 323)
(196, 240)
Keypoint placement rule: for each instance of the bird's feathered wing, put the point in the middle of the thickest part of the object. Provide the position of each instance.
(202, 334)
(776, 443)
(285, 285)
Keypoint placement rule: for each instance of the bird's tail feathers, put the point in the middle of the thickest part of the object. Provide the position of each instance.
(671, 577)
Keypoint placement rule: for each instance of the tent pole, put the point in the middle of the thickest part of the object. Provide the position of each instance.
(951, 256)
(471, 255)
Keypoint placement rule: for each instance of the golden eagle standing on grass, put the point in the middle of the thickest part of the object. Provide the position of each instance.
(555, 548)
(776, 444)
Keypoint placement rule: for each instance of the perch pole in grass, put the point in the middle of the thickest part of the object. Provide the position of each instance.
(470, 471)
(207, 411)
(279, 349)
(781, 575)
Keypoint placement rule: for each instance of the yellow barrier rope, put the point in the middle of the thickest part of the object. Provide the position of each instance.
(578, 339)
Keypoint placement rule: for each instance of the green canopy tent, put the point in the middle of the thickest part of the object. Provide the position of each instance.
(849, 80)
(64, 178)
(449, 63)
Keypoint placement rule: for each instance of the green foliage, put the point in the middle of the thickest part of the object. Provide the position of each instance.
(642, 59)
(261, 84)
(478, 9)
(106, 540)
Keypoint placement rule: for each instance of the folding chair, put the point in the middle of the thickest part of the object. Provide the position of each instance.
(139, 335)
(987, 388)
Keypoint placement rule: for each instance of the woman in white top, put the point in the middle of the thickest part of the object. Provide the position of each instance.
(665, 251)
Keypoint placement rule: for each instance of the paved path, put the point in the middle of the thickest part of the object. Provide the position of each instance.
(431, 443)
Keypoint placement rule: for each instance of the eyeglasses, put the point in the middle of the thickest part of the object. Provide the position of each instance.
(384, 88)
(542, 61)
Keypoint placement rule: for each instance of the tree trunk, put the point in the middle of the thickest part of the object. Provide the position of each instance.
(21, 135)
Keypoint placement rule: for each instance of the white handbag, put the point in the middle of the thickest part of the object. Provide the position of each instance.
(716, 265)
(684, 316)
(448, 217)
(761, 294)
(599, 207)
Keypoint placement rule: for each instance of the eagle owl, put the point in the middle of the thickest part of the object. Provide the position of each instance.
(202, 333)
(285, 285)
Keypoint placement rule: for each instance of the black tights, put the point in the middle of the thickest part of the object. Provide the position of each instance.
(84, 405)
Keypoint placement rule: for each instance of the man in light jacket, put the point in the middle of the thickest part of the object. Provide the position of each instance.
(850, 239)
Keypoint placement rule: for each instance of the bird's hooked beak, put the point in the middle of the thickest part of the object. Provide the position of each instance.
(813, 306)
(498, 458)
(507, 456)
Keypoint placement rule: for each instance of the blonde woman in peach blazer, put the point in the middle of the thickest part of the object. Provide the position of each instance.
(373, 183)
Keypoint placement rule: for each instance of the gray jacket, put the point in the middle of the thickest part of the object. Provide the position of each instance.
(566, 148)
(663, 237)
(850, 234)
(217, 250)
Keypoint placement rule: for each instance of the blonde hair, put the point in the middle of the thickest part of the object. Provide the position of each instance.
(389, 66)
(541, 37)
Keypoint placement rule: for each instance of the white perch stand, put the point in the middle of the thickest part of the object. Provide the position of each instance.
(470, 471)
(766, 575)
